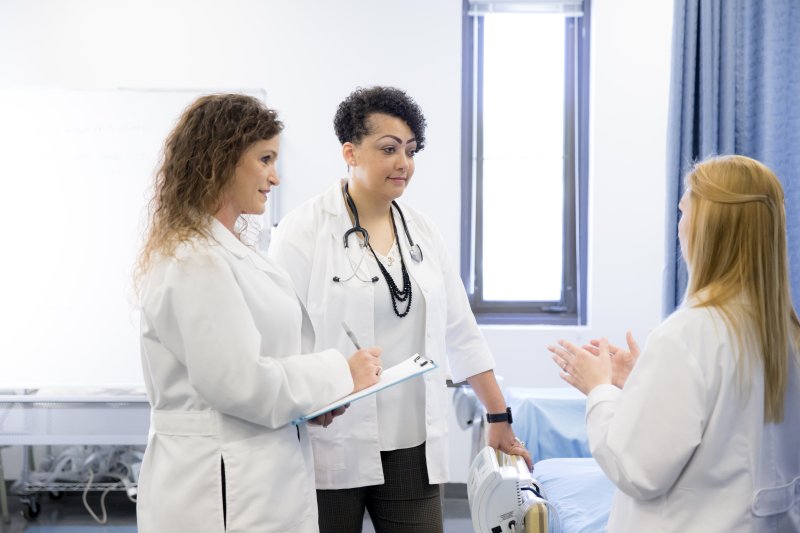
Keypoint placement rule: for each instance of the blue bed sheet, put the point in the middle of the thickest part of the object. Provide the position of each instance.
(551, 422)
(580, 492)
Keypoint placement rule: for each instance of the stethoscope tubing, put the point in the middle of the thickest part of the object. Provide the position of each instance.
(414, 250)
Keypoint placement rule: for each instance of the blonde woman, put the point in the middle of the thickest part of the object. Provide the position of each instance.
(704, 434)
(222, 331)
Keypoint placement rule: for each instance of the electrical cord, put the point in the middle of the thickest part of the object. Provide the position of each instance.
(123, 481)
(85, 464)
(534, 490)
(102, 500)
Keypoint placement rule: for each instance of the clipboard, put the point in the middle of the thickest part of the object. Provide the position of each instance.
(416, 365)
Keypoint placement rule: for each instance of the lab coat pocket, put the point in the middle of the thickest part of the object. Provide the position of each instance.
(328, 446)
(179, 485)
(268, 483)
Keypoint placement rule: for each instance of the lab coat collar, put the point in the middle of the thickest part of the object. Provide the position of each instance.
(333, 204)
(703, 295)
(332, 200)
(226, 239)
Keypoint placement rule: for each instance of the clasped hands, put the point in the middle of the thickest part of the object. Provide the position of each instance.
(596, 363)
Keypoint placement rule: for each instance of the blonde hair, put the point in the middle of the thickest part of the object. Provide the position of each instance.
(198, 166)
(737, 247)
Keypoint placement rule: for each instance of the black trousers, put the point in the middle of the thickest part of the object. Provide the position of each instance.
(405, 503)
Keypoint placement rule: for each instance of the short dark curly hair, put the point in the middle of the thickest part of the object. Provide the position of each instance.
(350, 122)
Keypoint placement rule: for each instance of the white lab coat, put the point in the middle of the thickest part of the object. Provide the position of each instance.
(220, 331)
(687, 446)
(308, 244)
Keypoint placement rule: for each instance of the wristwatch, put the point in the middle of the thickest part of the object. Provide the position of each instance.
(500, 417)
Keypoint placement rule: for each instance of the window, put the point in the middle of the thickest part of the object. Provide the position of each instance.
(525, 96)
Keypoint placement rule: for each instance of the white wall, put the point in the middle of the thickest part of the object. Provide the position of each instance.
(309, 54)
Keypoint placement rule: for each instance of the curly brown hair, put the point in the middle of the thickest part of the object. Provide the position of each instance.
(199, 159)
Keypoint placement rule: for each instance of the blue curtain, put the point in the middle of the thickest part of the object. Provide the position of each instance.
(735, 89)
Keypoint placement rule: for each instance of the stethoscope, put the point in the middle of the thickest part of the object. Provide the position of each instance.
(413, 249)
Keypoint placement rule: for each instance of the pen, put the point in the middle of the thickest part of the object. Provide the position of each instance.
(351, 335)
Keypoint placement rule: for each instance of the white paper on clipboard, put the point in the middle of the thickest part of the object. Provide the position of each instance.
(415, 365)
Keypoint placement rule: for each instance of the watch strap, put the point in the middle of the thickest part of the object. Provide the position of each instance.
(500, 417)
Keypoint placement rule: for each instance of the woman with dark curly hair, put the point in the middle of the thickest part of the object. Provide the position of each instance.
(221, 330)
(357, 255)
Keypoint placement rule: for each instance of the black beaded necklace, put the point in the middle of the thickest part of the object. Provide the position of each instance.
(397, 295)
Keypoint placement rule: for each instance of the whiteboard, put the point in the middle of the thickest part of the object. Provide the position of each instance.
(77, 169)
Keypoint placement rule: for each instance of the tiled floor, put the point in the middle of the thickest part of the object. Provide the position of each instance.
(68, 515)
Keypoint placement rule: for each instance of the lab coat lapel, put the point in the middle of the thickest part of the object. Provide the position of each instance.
(226, 239)
(236, 247)
(333, 204)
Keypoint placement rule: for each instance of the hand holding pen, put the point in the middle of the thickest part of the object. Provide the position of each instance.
(365, 364)
(365, 368)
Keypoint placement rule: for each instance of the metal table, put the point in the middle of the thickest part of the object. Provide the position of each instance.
(68, 416)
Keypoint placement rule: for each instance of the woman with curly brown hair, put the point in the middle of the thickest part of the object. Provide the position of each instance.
(383, 267)
(222, 331)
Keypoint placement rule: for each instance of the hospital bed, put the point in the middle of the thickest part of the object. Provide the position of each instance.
(579, 490)
(551, 423)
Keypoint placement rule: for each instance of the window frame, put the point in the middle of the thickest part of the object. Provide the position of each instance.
(570, 309)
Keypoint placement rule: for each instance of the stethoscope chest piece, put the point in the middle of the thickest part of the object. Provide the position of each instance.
(416, 253)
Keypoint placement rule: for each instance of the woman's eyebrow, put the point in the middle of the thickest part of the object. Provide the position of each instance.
(397, 139)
